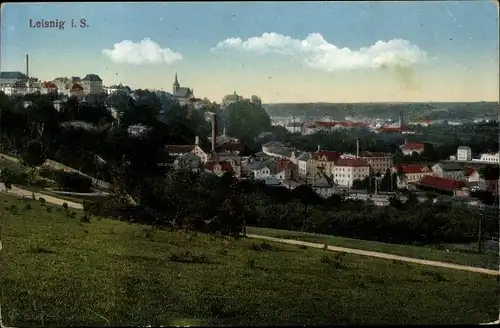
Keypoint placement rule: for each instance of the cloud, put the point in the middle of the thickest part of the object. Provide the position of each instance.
(319, 54)
(143, 52)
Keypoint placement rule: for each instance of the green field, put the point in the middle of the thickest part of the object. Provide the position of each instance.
(488, 260)
(59, 271)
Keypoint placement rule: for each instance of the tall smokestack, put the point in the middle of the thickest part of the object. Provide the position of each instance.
(27, 69)
(214, 131)
(357, 147)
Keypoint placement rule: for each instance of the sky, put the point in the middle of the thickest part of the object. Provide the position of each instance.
(279, 51)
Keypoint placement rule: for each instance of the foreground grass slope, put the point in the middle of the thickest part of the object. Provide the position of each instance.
(487, 260)
(58, 271)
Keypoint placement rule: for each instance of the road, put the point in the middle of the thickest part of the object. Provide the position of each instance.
(53, 200)
(380, 255)
(49, 199)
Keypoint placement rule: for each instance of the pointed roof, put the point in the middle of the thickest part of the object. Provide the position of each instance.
(176, 82)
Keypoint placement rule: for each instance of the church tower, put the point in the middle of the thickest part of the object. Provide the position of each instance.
(176, 85)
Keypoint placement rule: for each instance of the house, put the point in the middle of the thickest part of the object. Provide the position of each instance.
(295, 127)
(178, 150)
(256, 101)
(182, 94)
(408, 148)
(379, 162)
(489, 158)
(286, 169)
(10, 78)
(48, 87)
(58, 104)
(263, 170)
(346, 170)
(77, 90)
(323, 160)
(231, 99)
(410, 173)
(188, 161)
(464, 153)
(233, 159)
(443, 185)
(449, 170)
(302, 161)
(218, 168)
(472, 176)
(92, 84)
(323, 185)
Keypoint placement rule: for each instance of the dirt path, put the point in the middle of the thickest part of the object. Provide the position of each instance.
(380, 255)
(49, 199)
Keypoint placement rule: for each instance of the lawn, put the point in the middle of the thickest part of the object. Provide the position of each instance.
(59, 271)
(487, 260)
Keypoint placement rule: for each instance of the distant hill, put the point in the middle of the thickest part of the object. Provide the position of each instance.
(411, 111)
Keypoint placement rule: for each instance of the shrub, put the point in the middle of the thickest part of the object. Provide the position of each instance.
(73, 215)
(28, 206)
(65, 206)
(83, 219)
(73, 182)
(42, 201)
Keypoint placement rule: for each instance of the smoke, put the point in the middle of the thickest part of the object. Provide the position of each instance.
(405, 76)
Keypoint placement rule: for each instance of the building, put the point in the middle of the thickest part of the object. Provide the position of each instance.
(323, 185)
(324, 161)
(256, 101)
(449, 170)
(179, 150)
(489, 158)
(10, 78)
(188, 161)
(443, 185)
(473, 178)
(92, 84)
(231, 158)
(346, 170)
(302, 161)
(218, 168)
(408, 148)
(464, 153)
(116, 89)
(231, 99)
(410, 173)
(77, 90)
(48, 87)
(182, 94)
(379, 162)
(295, 127)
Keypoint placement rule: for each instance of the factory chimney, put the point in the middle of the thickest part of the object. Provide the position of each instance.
(27, 70)
(357, 147)
(214, 131)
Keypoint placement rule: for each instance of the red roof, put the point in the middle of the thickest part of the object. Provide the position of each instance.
(366, 153)
(413, 146)
(441, 183)
(469, 171)
(331, 156)
(412, 168)
(224, 166)
(76, 87)
(353, 162)
(326, 124)
(284, 163)
(392, 129)
(49, 85)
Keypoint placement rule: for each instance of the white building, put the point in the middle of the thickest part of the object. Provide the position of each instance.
(346, 170)
(302, 161)
(464, 153)
(489, 158)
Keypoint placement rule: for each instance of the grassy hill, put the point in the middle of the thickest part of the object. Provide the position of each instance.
(487, 260)
(57, 270)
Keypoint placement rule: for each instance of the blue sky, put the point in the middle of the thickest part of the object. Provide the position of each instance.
(446, 50)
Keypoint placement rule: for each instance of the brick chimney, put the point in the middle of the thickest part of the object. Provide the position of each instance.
(214, 131)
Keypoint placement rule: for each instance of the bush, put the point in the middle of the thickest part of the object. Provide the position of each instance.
(28, 207)
(73, 182)
(42, 201)
(84, 219)
(65, 206)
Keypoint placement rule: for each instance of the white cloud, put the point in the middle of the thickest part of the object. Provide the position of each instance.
(319, 54)
(143, 52)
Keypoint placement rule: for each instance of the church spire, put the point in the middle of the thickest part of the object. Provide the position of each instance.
(176, 85)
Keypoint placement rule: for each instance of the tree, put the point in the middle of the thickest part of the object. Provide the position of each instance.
(34, 156)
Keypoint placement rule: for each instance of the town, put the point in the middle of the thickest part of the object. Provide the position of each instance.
(186, 164)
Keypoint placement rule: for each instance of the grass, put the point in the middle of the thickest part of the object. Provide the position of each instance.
(61, 271)
(73, 198)
(487, 260)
